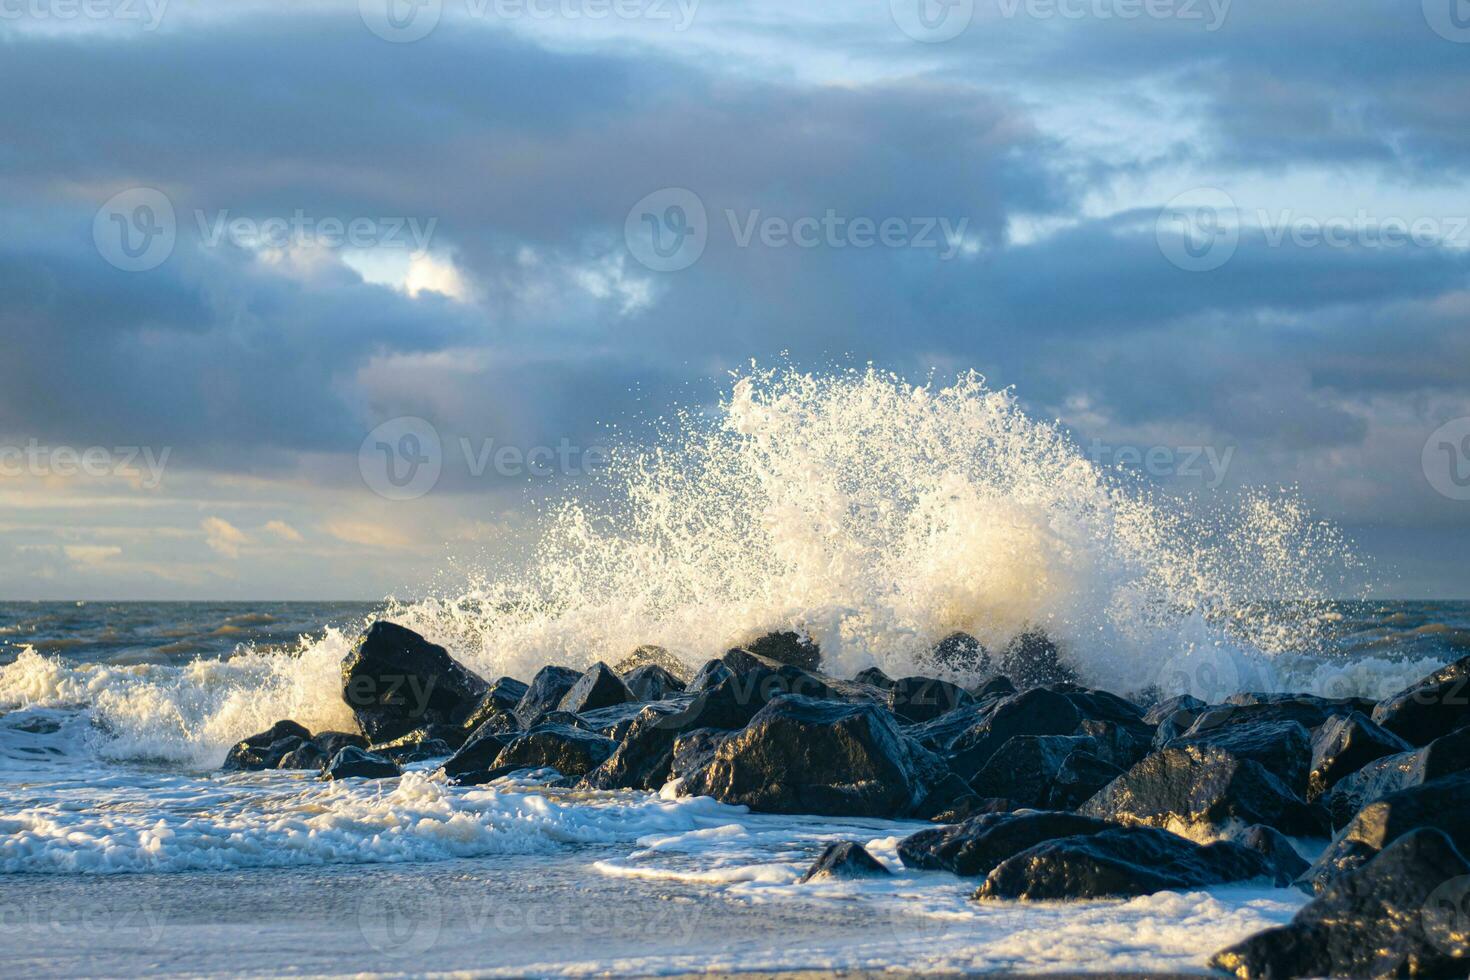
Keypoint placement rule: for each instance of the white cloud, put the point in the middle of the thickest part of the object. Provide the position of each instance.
(223, 537)
(283, 531)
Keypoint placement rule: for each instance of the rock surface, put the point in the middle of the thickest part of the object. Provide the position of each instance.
(395, 681)
(598, 687)
(1343, 745)
(1444, 756)
(1430, 708)
(651, 682)
(920, 699)
(544, 694)
(845, 859)
(975, 846)
(570, 751)
(355, 763)
(786, 647)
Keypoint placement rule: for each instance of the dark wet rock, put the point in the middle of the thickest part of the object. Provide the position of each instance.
(333, 742)
(773, 677)
(1402, 914)
(306, 755)
(971, 805)
(394, 681)
(1274, 846)
(1031, 660)
(544, 694)
(570, 751)
(1025, 768)
(938, 735)
(920, 699)
(1175, 725)
(1118, 745)
(1281, 747)
(1205, 788)
(613, 722)
(949, 794)
(496, 707)
(786, 647)
(1443, 804)
(598, 687)
(961, 653)
(1118, 863)
(264, 750)
(652, 655)
(651, 682)
(644, 757)
(997, 687)
(1308, 711)
(694, 749)
(1080, 778)
(1432, 707)
(1343, 745)
(479, 753)
(708, 676)
(1166, 707)
(353, 762)
(845, 859)
(479, 777)
(1034, 712)
(802, 755)
(873, 677)
(431, 742)
(1105, 706)
(1444, 756)
(972, 848)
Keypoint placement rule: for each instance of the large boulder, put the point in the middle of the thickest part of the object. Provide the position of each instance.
(264, 750)
(873, 677)
(1025, 768)
(651, 682)
(1281, 747)
(495, 711)
(1205, 791)
(598, 687)
(786, 647)
(355, 763)
(478, 754)
(961, 653)
(802, 755)
(1402, 914)
(920, 699)
(1081, 777)
(650, 654)
(845, 859)
(570, 751)
(1031, 659)
(1304, 709)
(306, 755)
(544, 693)
(1116, 743)
(1443, 804)
(1444, 756)
(1034, 712)
(695, 749)
(643, 758)
(429, 742)
(1277, 849)
(1431, 707)
(395, 681)
(1343, 745)
(975, 846)
(1121, 862)
(1166, 707)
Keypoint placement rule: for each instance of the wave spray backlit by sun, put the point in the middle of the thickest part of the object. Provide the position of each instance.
(874, 514)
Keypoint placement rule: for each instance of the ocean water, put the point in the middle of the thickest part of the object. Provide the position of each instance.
(876, 515)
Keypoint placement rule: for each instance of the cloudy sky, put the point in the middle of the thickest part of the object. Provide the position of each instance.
(236, 238)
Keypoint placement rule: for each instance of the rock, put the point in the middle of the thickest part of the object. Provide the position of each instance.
(644, 757)
(496, 708)
(395, 681)
(650, 654)
(1118, 745)
(1310, 712)
(1431, 707)
(1205, 790)
(948, 795)
(971, 805)
(1343, 745)
(962, 654)
(1444, 756)
(264, 750)
(598, 687)
(694, 749)
(613, 722)
(353, 762)
(1106, 706)
(920, 699)
(306, 755)
(1274, 846)
(972, 848)
(788, 648)
(1400, 915)
(873, 677)
(802, 755)
(1179, 702)
(333, 742)
(1081, 777)
(424, 743)
(1031, 660)
(544, 693)
(996, 687)
(1119, 863)
(1025, 768)
(708, 676)
(1283, 748)
(1175, 725)
(477, 754)
(1443, 804)
(570, 751)
(651, 682)
(845, 859)
(1036, 712)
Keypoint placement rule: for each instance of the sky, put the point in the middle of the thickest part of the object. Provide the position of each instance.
(313, 300)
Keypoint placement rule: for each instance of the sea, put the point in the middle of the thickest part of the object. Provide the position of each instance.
(875, 515)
